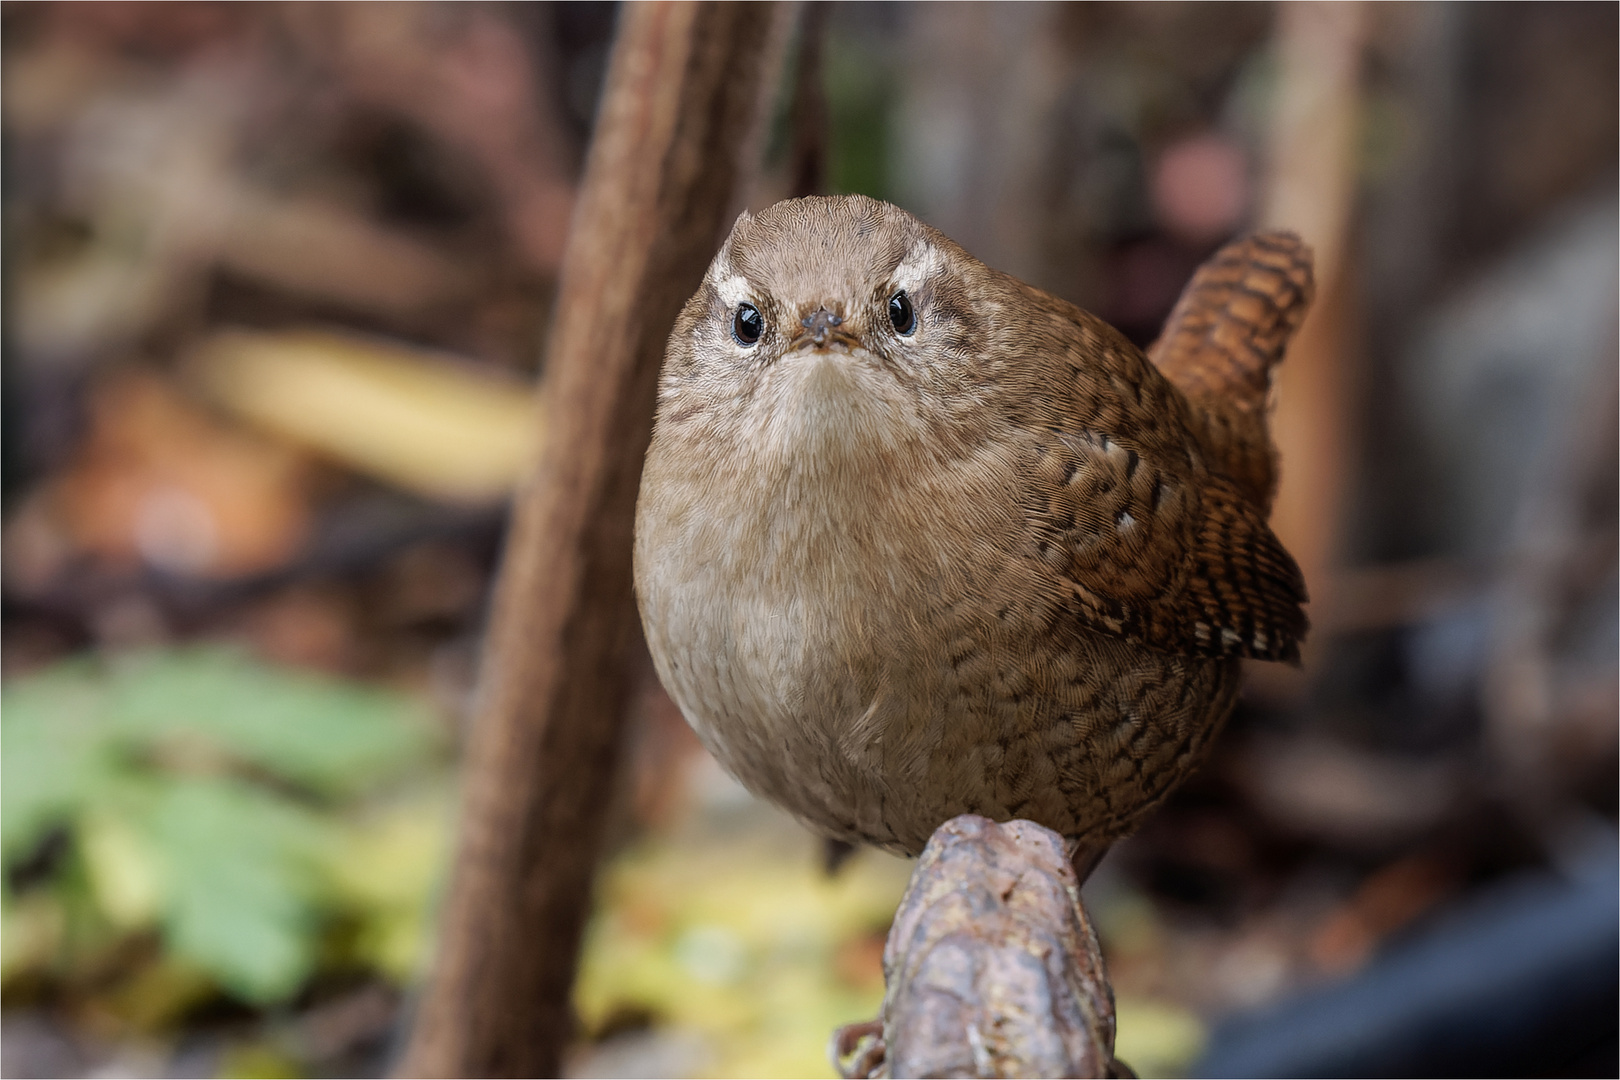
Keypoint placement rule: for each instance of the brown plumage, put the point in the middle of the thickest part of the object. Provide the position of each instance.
(1227, 332)
(991, 560)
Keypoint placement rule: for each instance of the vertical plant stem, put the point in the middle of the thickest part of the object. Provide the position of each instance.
(676, 122)
(1311, 188)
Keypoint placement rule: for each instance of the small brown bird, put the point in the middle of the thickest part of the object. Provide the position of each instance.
(916, 539)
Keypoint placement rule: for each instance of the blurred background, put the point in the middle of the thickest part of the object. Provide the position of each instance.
(276, 281)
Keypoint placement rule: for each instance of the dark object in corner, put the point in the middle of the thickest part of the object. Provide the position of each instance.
(1521, 982)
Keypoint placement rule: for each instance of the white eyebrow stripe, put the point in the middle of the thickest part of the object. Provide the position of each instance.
(733, 289)
(920, 263)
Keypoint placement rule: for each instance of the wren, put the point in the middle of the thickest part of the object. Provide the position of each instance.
(916, 539)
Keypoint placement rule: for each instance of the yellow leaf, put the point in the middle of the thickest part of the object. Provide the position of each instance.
(126, 877)
(403, 415)
(1156, 1038)
(30, 931)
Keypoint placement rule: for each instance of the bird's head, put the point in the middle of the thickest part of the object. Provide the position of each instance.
(842, 313)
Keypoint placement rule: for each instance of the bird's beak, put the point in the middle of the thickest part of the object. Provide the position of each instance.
(821, 329)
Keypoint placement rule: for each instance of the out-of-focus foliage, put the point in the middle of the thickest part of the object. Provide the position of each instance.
(235, 809)
(748, 945)
(860, 105)
(1156, 1037)
(403, 415)
(728, 952)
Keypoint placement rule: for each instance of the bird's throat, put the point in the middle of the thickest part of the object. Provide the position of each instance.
(834, 410)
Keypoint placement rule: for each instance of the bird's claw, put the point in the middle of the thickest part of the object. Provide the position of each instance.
(858, 1051)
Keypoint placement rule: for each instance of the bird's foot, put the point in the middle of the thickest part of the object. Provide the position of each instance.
(834, 854)
(858, 1051)
(1084, 858)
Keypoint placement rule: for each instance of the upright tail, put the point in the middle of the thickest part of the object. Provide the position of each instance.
(1227, 332)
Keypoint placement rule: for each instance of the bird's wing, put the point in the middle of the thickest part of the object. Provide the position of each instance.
(1151, 543)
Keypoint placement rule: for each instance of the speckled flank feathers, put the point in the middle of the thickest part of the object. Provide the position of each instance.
(1000, 564)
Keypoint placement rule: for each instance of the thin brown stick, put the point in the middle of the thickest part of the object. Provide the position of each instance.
(807, 160)
(676, 119)
(1310, 190)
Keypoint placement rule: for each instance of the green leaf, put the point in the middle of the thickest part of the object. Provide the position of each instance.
(52, 752)
(159, 763)
(335, 737)
(241, 881)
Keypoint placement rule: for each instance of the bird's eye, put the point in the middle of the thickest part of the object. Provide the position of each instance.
(747, 325)
(901, 314)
